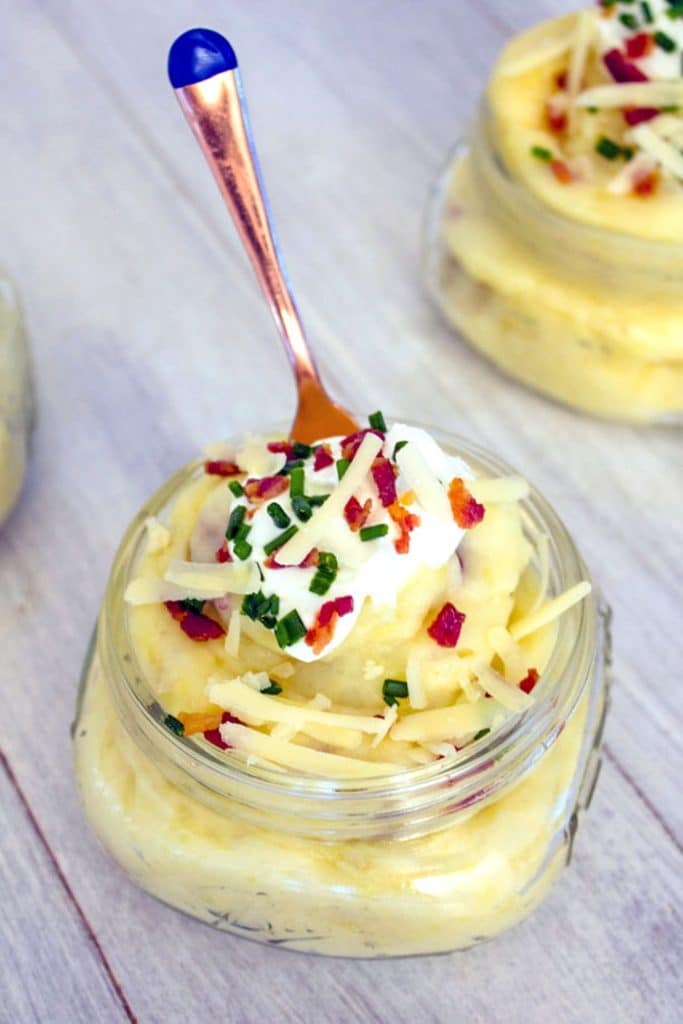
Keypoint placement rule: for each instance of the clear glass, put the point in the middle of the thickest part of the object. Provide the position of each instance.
(589, 316)
(16, 398)
(427, 860)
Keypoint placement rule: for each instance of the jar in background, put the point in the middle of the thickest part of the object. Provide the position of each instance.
(16, 398)
(587, 315)
(432, 859)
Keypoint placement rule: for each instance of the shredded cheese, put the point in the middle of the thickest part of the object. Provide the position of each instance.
(659, 149)
(232, 639)
(153, 590)
(158, 535)
(416, 691)
(633, 94)
(222, 578)
(459, 720)
(502, 489)
(507, 694)
(640, 166)
(419, 477)
(585, 31)
(549, 611)
(390, 716)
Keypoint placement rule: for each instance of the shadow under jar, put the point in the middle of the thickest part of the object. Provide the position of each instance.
(588, 315)
(427, 860)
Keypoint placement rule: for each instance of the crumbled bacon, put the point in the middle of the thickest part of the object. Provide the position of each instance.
(561, 171)
(531, 678)
(323, 458)
(352, 443)
(645, 183)
(466, 511)
(622, 70)
(322, 630)
(196, 625)
(221, 467)
(561, 79)
(223, 553)
(556, 114)
(309, 562)
(406, 522)
(214, 735)
(639, 45)
(199, 721)
(281, 448)
(446, 627)
(355, 514)
(384, 474)
(265, 489)
(637, 115)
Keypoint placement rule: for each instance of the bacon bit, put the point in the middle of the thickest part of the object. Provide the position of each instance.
(639, 46)
(223, 553)
(466, 511)
(323, 458)
(221, 467)
(265, 489)
(352, 443)
(531, 678)
(406, 522)
(646, 184)
(280, 448)
(621, 69)
(384, 474)
(214, 736)
(196, 625)
(446, 627)
(561, 79)
(636, 115)
(309, 562)
(556, 120)
(199, 721)
(322, 630)
(561, 172)
(355, 514)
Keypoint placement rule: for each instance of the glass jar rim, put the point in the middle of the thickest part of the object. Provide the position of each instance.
(455, 784)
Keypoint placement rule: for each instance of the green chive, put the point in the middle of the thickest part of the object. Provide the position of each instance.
(541, 153)
(316, 499)
(269, 621)
(243, 532)
(647, 12)
(592, 110)
(278, 515)
(629, 20)
(327, 560)
(236, 488)
(397, 448)
(175, 725)
(191, 604)
(376, 421)
(273, 689)
(320, 584)
(290, 629)
(290, 465)
(607, 148)
(301, 451)
(390, 701)
(281, 539)
(242, 549)
(235, 521)
(394, 688)
(373, 532)
(675, 10)
(302, 508)
(342, 466)
(670, 108)
(664, 42)
(296, 486)
(480, 735)
(252, 604)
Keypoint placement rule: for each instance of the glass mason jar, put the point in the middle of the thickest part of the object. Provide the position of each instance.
(589, 316)
(432, 859)
(16, 398)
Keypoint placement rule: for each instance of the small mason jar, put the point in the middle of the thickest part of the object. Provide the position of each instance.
(431, 859)
(16, 398)
(587, 315)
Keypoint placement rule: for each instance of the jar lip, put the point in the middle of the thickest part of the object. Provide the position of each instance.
(590, 235)
(522, 735)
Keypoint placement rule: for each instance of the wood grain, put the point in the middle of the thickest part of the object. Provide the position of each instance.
(150, 338)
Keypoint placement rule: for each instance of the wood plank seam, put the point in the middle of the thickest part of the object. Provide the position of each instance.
(68, 891)
(630, 781)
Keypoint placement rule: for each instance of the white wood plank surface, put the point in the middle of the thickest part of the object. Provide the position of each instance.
(150, 338)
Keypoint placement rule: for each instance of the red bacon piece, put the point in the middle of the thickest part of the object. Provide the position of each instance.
(355, 514)
(352, 443)
(622, 70)
(446, 627)
(309, 562)
(645, 183)
(531, 678)
(323, 458)
(265, 489)
(223, 553)
(281, 448)
(214, 736)
(384, 474)
(636, 115)
(322, 630)
(406, 522)
(466, 511)
(562, 172)
(221, 467)
(639, 46)
(196, 625)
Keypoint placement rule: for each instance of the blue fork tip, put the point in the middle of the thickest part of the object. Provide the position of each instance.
(197, 54)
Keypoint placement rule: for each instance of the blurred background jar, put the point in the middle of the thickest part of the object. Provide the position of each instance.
(16, 398)
(587, 315)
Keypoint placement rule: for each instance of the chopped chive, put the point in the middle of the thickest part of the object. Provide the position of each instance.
(274, 606)
(670, 108)
(269, 621)
(236, 488)
(480, 735)
(392, 689)
(327, 560)
(273, 689)
(629, 20)
(377, 422)
(290, 465)
(342, 466)
(647, 12)
(251, 604)
(390, 701)
(175, 725)
(664, 42)
(592, 110)
(243, 532)
(301, 451)
(326, 573)
(541, 153)
(242, 549)
(235, 521)
(675, 9)
(320, 584)
(302, 508)
(607, 148)
(278, 515)
(290, 629)
(281, 539)
(373, 532)
(397, 448)
(192, 604)
(296, 486)
(627, 152)
(316, 499)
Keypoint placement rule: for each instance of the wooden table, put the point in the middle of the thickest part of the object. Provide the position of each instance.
(150, 338)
